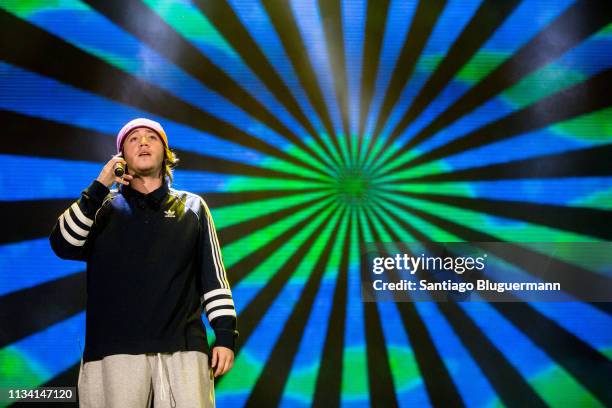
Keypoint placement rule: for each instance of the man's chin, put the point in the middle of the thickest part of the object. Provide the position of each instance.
(145, 172)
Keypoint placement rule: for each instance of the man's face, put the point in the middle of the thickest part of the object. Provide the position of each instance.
(143, 150)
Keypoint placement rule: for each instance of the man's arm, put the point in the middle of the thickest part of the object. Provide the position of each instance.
(71, 236)
(217, 297)
(73, 232)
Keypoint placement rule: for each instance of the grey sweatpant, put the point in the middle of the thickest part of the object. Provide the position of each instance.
(181, 379)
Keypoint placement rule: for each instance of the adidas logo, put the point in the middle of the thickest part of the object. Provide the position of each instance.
(169, 214)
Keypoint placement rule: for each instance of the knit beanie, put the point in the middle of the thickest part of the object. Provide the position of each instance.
(140, 123)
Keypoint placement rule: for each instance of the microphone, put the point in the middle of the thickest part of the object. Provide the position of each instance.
(119, 169)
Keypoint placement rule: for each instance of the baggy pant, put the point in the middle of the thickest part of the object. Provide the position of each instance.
(181, 379)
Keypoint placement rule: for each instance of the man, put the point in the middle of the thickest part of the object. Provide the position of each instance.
(153, 264)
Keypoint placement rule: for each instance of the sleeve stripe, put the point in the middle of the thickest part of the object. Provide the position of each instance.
(218, 247)
(214, 252)
(66, 234)
(220, 302)
(79, 214)
(221, 312)
(214, 309)
(214, 243)
(80, 231)
(216, 292)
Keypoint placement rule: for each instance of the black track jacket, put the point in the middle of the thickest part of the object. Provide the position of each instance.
(153, 265)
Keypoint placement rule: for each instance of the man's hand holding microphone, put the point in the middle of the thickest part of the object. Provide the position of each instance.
(114, 172)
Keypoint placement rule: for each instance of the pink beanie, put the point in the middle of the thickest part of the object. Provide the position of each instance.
(139, 123)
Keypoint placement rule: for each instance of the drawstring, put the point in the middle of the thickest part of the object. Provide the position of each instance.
(160, 371)
(161, 379)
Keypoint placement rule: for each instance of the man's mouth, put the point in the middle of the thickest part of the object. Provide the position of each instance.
(144, 154)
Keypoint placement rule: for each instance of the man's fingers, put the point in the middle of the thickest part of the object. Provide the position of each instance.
(223, 360)
(228, 365)
(223, 367)
(225, 364)
(220, 365)
(118, 160)
(120, 180)
(214, 358)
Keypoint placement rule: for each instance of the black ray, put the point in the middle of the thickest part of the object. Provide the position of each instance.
(43, 305)
(380, 379)
(376, 20)
(328, 388)
(331, 17)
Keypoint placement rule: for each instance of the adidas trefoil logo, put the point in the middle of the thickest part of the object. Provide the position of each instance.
(169, 214)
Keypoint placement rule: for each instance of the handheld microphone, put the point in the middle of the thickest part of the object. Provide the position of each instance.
(119, 168)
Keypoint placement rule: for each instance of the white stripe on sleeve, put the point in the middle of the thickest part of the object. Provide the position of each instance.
(79, 214)
(82, 232)
(219, 302)
(216, 292)
(214, 243)
(221, 312)
(214, 253)
(218, 247)
(66, 234)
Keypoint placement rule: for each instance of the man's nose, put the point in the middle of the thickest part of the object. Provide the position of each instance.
(144, 140)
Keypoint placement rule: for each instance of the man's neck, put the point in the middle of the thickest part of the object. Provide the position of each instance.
(145, 184)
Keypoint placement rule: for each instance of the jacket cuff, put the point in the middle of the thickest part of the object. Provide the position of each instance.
(226, 338)
(97, 191)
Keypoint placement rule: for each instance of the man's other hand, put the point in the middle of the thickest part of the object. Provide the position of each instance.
(222, 360)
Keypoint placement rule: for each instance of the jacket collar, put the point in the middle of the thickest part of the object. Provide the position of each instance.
(154, 197)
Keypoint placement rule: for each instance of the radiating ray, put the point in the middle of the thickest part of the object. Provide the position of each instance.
(38, 358)
(26, 259)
